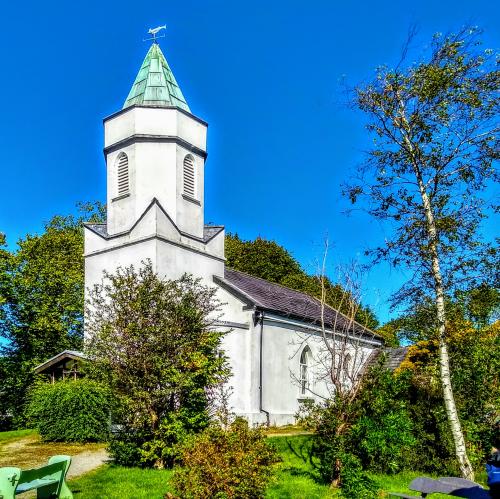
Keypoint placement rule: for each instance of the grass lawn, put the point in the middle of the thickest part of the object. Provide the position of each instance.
(116, 482)
(297, 477)
(6, 436)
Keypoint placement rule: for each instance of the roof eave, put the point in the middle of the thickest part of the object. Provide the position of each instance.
(65, 354)
(366, 333)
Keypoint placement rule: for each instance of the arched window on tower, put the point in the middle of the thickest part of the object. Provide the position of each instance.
(189, 176)
(305, 361)
(122, 174)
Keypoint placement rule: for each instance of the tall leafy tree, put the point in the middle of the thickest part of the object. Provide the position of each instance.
(157, 345)
(435, 128)
(41, 300)
(268, 260)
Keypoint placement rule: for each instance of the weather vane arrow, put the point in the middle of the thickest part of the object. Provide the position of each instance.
(154, 32)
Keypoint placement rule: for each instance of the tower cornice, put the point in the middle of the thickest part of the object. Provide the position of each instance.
(129, 108)
(169, 139)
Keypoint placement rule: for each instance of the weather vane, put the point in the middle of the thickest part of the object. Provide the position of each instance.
(154, 32)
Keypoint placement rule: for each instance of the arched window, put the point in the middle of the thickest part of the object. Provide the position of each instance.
(122, 174)
(347, 364)
(305, 361)
(189, 176)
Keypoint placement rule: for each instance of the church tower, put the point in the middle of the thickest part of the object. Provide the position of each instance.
(155, 148)
(155, 151)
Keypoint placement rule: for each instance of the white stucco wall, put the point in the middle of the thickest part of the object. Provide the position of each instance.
(283, 342)
(161, 121)
(155, 162)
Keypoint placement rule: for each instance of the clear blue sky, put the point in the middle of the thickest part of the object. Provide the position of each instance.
(264, 74)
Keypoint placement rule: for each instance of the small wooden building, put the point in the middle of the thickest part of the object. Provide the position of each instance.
(65, 365)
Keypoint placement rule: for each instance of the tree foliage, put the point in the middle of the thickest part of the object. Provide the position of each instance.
(371, 432)
(435, 129)
(41, 300)
(475, 362)
(268, 260)
(156, 344)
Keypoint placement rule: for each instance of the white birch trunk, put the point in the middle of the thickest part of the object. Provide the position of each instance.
(444, 359)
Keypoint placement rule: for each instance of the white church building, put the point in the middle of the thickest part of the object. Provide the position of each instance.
(155, 150)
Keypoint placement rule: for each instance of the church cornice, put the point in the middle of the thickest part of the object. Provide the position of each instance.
(183, 111)
(169, 139)
(149, 238)
(214, 229)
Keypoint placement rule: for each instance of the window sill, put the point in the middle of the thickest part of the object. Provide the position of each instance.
(305, 398)
(123, 196)
(191, 200)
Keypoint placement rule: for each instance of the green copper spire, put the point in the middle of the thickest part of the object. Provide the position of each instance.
(155, 83)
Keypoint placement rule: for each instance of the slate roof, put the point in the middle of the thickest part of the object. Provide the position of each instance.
(101, 229)
(287, 302)
(393, 358)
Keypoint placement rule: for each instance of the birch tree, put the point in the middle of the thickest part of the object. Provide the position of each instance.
(435, 142)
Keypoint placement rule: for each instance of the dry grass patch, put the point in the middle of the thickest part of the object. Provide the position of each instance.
(286, 431)
(30, 451)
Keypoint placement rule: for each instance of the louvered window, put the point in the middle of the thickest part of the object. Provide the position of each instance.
(189, 176)
(122, 174)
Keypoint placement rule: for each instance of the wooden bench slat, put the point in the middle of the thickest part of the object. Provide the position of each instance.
(35, 484)
(44, 471)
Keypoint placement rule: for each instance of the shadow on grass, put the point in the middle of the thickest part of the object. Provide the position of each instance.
(302, 450)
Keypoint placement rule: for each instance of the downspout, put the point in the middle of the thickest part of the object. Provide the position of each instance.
(259, 316)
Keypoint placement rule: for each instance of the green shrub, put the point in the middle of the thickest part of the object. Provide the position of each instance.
(156, 448)
(219, 463)
(370, 432)
(382, 435)
(356, 484)
(124, 449)
(169, 361)
(70, 411)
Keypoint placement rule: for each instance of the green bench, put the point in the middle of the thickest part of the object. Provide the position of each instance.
(47, 480)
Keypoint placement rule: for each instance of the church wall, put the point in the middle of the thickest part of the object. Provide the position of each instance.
(123, 256)
(282, 347)
(173, 261)
(121, 212)
(236, 346)
(156, 177)
(167, 122)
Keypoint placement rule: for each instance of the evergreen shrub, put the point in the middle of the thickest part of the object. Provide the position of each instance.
(70, 411)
